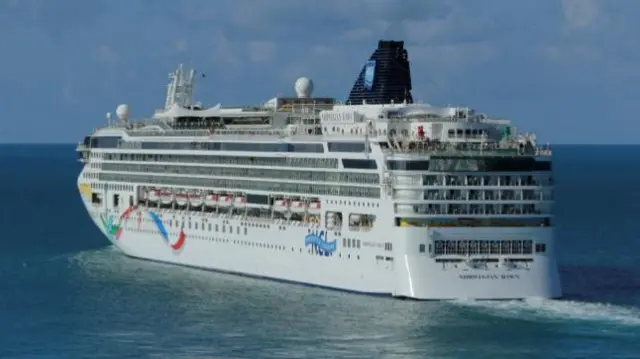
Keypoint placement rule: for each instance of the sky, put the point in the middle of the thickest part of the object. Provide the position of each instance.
(568, 70)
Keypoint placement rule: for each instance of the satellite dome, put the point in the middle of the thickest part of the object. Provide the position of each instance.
(123, 112)
(304, 87)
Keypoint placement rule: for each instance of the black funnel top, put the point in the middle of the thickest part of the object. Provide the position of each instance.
(385, 78)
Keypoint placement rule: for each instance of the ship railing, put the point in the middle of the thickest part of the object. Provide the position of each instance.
(466, 149)
(247, 132)
(174, 133)
(480, 118)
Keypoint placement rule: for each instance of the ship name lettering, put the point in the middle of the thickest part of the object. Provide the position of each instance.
(488, 276)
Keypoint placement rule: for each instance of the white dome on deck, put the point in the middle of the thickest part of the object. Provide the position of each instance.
(304, 87)
(123, 112)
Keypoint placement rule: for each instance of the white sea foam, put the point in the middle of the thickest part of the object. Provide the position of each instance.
(559, 310)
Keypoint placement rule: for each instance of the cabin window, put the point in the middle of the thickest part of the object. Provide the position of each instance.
(347, 146)
(105, 142)
(401, 165)
(359, 164)
(116, 200)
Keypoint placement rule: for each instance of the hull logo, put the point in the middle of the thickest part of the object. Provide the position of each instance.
(319, 242)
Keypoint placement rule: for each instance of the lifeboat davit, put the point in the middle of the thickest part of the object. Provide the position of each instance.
(166, 196)
(182, 198)
(224, 200)
(144, 193)
(195, 198)
(211, 200)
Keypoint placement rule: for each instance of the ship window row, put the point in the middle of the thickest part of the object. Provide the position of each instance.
(227, 160)
(467, 133)
(360, 164)
(351, 243)
(472, 164)
(352, 177)
(475, 209)
(228, 184)
(488, 195)
(105, 141)
(473, 222)
(497, 180)
(358, 147)
(117, 142)
(471, 247)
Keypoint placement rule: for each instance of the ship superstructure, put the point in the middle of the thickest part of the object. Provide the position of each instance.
(378, 195)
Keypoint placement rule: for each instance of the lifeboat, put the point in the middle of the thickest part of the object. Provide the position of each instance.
(166, 196)
(224, 200)
(314, 207)
(240, 202)
(182, 198)
(211, 200)
(195, 198)
(297, 206)
(153, 195)
(280, 205)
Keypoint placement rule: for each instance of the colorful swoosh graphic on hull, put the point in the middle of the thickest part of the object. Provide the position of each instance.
(165, 235)
(115, 229)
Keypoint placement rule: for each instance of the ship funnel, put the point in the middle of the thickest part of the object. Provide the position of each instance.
(385, 78)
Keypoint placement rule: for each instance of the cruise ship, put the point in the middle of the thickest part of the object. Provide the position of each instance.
(377, 195)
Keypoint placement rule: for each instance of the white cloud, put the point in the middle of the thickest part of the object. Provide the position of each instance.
(453, 58)
(222, 50)
(580, 13)
(261, 51)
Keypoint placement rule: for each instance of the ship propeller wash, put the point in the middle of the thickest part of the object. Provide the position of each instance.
(376, 195)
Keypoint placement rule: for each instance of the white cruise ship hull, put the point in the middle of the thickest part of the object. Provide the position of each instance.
(278, 252)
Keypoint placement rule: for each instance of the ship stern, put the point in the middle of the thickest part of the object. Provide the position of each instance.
(477, 263)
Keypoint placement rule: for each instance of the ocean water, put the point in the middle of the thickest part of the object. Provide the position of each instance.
(65, 293)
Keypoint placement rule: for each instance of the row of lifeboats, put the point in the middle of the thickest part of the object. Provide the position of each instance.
(284, 204)
(197, 198)
(194, 198)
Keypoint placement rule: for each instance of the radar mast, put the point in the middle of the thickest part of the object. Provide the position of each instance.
(180, 89)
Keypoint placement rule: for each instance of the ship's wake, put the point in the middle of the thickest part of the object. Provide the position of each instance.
(558, 310)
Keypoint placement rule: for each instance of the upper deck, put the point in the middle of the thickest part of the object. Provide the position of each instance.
(385, 115)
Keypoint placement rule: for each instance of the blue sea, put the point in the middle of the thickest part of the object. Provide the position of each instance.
(66, 293)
